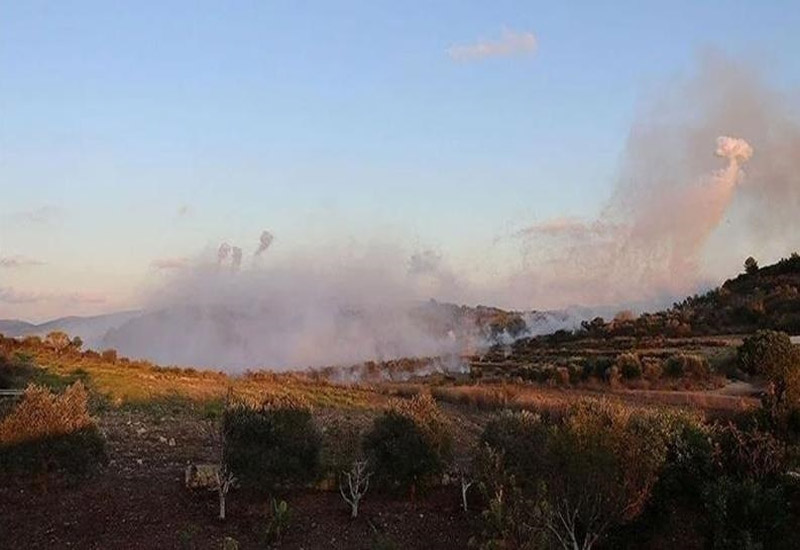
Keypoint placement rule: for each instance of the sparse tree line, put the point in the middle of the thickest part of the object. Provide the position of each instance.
(627, 369)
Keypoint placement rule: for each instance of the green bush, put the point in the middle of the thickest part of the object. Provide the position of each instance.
(595, 466)
(629, 366)
(729, 480)
(271, 445)
(519, 437)
(687, 365)
(75, 453)
(401, 456)
(767, 353)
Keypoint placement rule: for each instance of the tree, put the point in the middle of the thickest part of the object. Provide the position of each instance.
(581, 475)
(274, 443)
(772, 355)
(767, 353)
(77, 343)
(403, 458)
(357, 485)
(58, 340)
(750, 266)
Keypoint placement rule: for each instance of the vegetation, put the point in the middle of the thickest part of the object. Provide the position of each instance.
(607, 437)
(47, 432)
(408, 444)
(271, 444)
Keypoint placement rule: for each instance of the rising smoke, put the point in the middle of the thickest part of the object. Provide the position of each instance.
(653, 241)
(325, 308)
(715, 160)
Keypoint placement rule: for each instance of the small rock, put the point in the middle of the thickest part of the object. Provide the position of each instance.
(139, 461)
(162, 439)
(171, 441)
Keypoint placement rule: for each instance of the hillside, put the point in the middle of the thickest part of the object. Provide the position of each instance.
(767, 297)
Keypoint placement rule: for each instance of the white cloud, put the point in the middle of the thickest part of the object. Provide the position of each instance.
(510, 43)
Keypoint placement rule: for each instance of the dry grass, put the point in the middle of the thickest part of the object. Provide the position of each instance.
(41, 414)
(123, 381)
(509, 396)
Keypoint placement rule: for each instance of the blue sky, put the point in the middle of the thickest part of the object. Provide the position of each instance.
(158, 129)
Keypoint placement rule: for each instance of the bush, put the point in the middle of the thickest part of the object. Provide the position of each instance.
(399, 453)
(652, 369)
(275, 443)
(76, 453)
(767, 353)
(575, 476)
(729, 481)
(683, 364)
(408, 444)
(629, 366)
(47, 432)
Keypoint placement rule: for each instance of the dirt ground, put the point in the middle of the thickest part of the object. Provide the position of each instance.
(139, 501)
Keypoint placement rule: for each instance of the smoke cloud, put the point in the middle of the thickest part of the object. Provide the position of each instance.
(337, 307)
(264, 242)
(651, 242)
(236, 258)
(715, 159)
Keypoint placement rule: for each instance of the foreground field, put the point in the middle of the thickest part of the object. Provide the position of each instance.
(156, 421)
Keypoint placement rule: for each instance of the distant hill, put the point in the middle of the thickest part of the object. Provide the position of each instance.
(15, 328)
(92, 330)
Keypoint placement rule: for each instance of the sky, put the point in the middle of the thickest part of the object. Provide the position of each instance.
(139, 135)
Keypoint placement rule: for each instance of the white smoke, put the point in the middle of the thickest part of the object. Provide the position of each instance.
(678, 222)
(327, 308)
(264, 242)
(236, 258)
(223, 252)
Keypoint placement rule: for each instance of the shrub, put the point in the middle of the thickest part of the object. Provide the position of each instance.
(42, 414)
(47, 432)
(772, 355)
(767, 353)
(729, 480)
(400, 453)
(683, 364)
(629, 366)
(579, 475)
(271, 444)
(408, 444)
(652, 369)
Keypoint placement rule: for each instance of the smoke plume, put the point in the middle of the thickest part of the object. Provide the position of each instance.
(674, 200)
(264, 242)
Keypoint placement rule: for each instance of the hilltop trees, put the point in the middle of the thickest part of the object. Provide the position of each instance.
(750, 266)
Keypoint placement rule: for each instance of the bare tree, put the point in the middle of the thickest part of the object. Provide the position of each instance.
(465, 470)
(357, 485)
(224, 480)
(466, 482)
